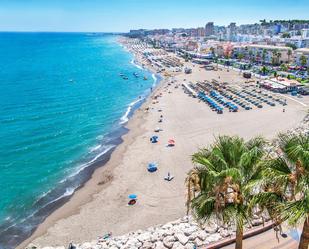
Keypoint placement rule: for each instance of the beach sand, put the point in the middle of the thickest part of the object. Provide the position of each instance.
(101, 205)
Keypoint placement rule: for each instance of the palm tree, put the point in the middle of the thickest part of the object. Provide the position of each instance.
(264, 70)
(222, 178)
(251, 56)
(278, 56)
(303, 60)
(264, 53)
(240, 56)
(289, 54)
(286, 179)
(274, 56)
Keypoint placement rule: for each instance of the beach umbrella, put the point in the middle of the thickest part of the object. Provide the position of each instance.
(171, 141)
(132, 196)
(152, 167)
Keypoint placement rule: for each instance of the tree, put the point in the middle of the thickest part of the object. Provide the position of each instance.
(289, 54)
(251, 57)
(278, 56)
(222, 178)
(264, 70)
(212, 50)
(286, 178)
(286, 35)
(240, 56)
(291, 45)
(264, 53)
(284, 67)
(303, 60)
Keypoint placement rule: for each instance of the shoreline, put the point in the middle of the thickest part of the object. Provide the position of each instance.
(93, 170)
(101, 195)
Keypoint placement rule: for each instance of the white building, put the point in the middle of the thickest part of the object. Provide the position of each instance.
(299, 52)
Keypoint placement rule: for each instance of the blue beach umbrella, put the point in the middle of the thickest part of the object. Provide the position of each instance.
(152, 167)
(132, 196)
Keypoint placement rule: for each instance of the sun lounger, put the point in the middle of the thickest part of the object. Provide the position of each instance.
(168, 177)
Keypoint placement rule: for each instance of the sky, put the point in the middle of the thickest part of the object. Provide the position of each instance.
(123, 15)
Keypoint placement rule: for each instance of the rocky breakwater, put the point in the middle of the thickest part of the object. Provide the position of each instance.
(181, 233)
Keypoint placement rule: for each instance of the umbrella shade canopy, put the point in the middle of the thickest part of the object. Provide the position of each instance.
(132, 196)
(154, 139)
(152, 167)
(171, 141)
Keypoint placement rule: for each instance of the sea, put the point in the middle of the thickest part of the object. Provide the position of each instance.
(63, 110)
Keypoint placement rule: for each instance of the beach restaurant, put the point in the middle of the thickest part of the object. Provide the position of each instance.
(282, 85)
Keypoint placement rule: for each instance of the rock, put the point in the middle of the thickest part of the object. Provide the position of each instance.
(159, 245)
(169, 232)
(178, 245)
(132, 242)
(167, 226)
(211, 228)
(147, 245)
(188, 231)
(257, 222)
(202, 235)
(169, 241)
(189, 245)
(184, 219)
(199, 242)
(213, 238)
(224, 233)
(181, 238)
(193, 236)
(144, 236)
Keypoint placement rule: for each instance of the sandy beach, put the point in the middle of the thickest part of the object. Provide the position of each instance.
(101, 205)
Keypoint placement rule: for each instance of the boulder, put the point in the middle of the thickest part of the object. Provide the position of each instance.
(169, 241)
(213, 238)
(132, 242)
(159, 245)
(183, 239)
(178, 245)
(211, 228)
(189, 245)
(144, 236)
(202, 235)
(199, 242)
(224, 233)
(167, 226)
(189, 230)
(147, 245)
(257, 222)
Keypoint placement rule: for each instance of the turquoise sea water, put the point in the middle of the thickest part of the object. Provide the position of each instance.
(62, 107)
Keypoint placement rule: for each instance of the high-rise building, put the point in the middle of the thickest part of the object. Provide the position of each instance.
(209, 29)
(231, 31)
(200, 32)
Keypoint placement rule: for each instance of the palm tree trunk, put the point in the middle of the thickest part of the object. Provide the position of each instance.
(239, 236)
(304, 239)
